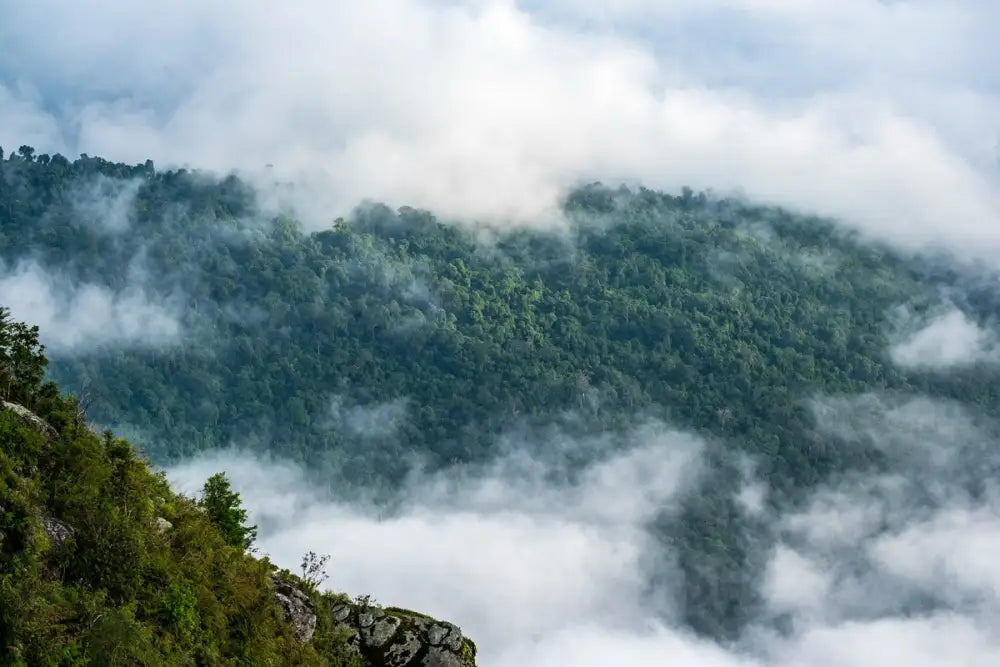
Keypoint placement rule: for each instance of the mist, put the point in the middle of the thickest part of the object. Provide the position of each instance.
(873, 568)
(948, 339)
(881, 114)
(76, 317)
(105, 204)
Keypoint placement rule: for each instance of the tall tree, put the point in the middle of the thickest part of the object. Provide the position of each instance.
(225, 509)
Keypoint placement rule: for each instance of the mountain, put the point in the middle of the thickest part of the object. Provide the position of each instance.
(190, 314)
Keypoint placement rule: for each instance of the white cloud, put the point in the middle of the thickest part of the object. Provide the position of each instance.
(371, 420)
(77, 317)
(105, 203)
(794, 583)
(947, 340)
(510, 557)
(956, 545)
(25, 123)
(929, 641)
(883, 113)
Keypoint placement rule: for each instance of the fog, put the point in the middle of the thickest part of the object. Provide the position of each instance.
(76, 317)
(874, 569)
(948, 339)
(881, 113)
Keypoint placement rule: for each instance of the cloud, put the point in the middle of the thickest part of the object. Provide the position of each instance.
(874, 569)
(76, 317)
(883, 113)
(511, 557)
(25, 123)
(947, 340)
(105, 203)
(372, 420)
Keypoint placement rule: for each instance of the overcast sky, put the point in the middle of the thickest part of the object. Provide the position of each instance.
(884, 113)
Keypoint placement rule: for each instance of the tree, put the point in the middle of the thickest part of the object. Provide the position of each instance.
(225, 509)
(22, 362)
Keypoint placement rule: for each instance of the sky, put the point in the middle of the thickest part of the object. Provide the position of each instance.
(882, 113)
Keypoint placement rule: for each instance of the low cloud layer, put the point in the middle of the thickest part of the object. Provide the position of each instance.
(372, 420)
(105, 204)
(883, 113)
(78, 317)
(946, 340)
(876, 569)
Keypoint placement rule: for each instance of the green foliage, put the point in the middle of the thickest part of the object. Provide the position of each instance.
(120, 590)
(181, 611)
(22, 363)
(224, 508)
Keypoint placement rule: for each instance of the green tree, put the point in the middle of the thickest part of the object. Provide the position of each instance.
(225, 509)
(22, 362)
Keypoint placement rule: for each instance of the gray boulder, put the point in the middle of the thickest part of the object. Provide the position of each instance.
(57, 531)
(393, 637)
(31, 419)
(298, 610)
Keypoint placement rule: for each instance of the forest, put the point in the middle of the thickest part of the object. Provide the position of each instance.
(389, 338)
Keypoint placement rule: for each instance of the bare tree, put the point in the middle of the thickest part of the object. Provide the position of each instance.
(314, 568)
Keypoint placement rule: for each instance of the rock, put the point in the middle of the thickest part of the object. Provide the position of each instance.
(298, 609)
(341, 612)
(380, 632)
(437, 633)
(162, 525)
(403, 650)
(57, 531)
(392, 637)
(445, 634)
(32, 419)
(441, 657)
(453, 640)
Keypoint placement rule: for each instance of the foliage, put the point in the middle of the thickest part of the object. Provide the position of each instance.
(120, 590)
(224, 508)
(22, 362)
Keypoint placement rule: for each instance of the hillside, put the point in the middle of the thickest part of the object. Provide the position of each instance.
(393, 339)
(101, 563)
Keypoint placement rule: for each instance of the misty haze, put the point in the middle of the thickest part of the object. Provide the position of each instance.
(500, 332)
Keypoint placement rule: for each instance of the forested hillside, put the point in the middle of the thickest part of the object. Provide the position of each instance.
(392, 338)
(101, 563)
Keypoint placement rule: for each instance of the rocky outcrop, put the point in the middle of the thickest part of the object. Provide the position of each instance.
(298, 609)
(162, 525)
(31, 419)
(392, 637)
(57, 531)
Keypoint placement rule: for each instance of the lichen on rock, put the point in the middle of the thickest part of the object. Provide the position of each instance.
(298, 609)
(32, 419)
(393, 637)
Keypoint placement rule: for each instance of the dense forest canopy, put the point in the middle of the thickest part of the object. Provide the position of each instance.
(392, 339)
